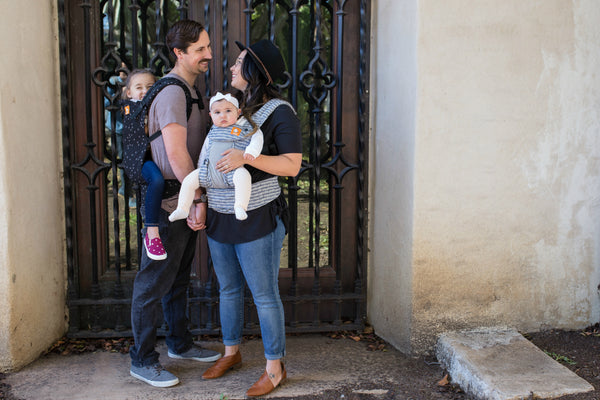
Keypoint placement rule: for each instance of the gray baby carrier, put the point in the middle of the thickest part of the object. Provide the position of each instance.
(222, 139)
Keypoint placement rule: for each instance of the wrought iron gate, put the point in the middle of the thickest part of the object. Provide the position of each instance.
(325, 45)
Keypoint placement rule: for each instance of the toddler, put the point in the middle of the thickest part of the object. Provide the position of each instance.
(137, 84)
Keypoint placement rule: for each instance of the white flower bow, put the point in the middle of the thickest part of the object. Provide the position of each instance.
(220, 96)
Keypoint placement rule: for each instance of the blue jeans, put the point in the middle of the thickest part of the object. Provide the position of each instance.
(258, 262)
(153, 198)
(165, 281)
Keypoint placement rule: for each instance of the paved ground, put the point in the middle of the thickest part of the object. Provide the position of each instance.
(339, 366)
(318, 366)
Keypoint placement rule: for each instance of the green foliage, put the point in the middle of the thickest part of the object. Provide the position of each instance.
(561, 358)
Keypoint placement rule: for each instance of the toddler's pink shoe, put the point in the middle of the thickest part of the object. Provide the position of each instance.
(154, 248)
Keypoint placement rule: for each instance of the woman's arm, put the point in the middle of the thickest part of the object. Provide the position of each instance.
(281, 165)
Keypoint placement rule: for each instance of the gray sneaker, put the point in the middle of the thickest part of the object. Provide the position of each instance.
(154, 375)
(197, 354)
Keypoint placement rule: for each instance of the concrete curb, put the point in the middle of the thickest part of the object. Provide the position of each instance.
(500, 364)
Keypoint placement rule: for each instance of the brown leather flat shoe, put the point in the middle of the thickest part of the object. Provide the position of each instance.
(264, 385)
(223, 365)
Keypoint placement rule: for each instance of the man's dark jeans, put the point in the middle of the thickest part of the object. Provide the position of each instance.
(165, 280)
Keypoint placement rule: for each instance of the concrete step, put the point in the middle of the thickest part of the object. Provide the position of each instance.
(500, 364)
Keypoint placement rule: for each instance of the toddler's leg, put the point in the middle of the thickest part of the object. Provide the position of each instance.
(243, 187)
(152, 200)
(186, 196)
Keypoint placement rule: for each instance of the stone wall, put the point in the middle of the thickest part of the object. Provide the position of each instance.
(491, 216)
(32, 261)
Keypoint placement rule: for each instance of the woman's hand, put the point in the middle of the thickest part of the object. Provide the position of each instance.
(196, 219)
(231, 160)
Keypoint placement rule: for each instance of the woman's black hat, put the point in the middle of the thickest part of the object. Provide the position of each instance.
(267, 57)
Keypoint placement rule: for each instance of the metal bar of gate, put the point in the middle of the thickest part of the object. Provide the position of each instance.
(317, 298)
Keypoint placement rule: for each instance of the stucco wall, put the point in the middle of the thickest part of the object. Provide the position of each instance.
(393, 108)
(506, 224)
(32, 265)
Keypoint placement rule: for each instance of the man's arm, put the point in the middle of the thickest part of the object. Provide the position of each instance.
(175, 139)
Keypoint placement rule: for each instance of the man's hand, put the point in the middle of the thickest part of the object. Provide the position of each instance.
(196, 219)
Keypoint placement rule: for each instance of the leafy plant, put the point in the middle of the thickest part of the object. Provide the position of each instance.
(560, 358)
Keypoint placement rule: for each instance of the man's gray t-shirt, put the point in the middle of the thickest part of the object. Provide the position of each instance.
(169, 107)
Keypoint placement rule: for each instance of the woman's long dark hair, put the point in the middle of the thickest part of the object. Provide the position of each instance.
(258, 91)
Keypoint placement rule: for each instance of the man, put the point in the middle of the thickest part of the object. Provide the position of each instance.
(175, 152)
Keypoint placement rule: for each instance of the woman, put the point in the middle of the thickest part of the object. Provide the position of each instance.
(251, 248)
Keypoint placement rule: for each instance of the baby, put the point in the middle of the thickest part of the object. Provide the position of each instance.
(225, 113)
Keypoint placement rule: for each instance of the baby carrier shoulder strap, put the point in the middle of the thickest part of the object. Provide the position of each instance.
(262, 115)
(160, 85)
(267, 109)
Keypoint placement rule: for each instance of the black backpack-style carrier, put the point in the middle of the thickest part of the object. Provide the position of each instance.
(136, 141)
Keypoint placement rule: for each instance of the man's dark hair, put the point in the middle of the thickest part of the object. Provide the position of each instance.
(182, 34)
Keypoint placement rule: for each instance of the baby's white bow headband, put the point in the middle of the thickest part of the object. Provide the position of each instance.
(220, 96)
